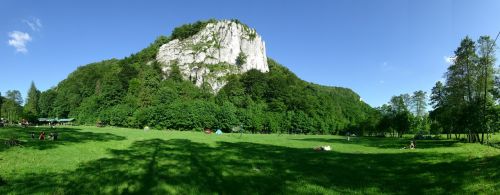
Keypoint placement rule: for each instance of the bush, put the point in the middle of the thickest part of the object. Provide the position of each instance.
(241, 59)
(188, 30)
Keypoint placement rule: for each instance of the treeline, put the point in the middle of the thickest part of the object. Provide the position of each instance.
(467, 103)
(403, 114)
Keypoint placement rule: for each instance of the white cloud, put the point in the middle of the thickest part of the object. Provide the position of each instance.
(18, 40)
(34, 23)
(449, 59)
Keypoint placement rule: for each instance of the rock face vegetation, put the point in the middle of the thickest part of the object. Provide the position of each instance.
(209, 74)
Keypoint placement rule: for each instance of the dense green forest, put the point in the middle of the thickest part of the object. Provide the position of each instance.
(136, 95)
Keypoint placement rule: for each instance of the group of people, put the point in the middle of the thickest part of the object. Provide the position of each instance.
(52, 136)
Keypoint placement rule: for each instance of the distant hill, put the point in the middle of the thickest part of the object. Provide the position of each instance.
(209, 74)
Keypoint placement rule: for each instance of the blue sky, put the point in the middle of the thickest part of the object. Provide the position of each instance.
(378, 48)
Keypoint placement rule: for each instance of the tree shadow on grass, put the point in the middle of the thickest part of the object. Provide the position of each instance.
(66, 136)
(386, 143)
(184, 167)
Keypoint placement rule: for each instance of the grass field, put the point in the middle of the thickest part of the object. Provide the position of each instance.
(90, 160)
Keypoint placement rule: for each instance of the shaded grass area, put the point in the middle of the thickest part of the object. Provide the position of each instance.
(193, 163)
(67, 135)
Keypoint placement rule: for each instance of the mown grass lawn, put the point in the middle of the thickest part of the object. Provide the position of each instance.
(90, 160)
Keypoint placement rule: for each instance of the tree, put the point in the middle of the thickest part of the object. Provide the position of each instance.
(32, 107)
(440, 117)
(402, 122)
(485, 80)
(419, 106)
(15, 96)
(149, 81)
(438, 95)
(11, 106)
(46, 103)
(466, 102)
(460, 79)
(401, 113)
(254, 117)
(226, 117)
(419, 103)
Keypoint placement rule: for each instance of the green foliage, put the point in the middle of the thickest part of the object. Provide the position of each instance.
(175, 73)
(252, 34)
(310, 108)
(274, 102)
(226, 117)
(46, 103)
(466, 102)
(119, 115)
(241, 59)
(11, 108)
(32, 106)
(188, 30)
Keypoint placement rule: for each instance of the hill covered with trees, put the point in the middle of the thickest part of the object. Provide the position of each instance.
(135, 92)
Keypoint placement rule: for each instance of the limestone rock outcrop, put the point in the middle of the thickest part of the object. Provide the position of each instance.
(218, 50)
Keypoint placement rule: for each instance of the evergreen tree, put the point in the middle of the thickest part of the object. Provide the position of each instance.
(419, 103)
(32, 107)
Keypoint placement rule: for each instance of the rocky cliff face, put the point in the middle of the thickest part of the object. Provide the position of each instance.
(218, 50)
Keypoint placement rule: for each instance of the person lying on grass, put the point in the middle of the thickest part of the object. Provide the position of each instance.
(323, 148)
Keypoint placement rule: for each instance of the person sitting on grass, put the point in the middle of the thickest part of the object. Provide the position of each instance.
(32, 135)
(42, 136)
(412, 145)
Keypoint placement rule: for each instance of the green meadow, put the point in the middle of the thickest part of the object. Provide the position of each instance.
(91, 160)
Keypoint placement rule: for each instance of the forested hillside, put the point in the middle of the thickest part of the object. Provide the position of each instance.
(134, 92)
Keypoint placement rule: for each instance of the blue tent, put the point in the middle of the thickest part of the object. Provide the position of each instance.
(218, 132)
